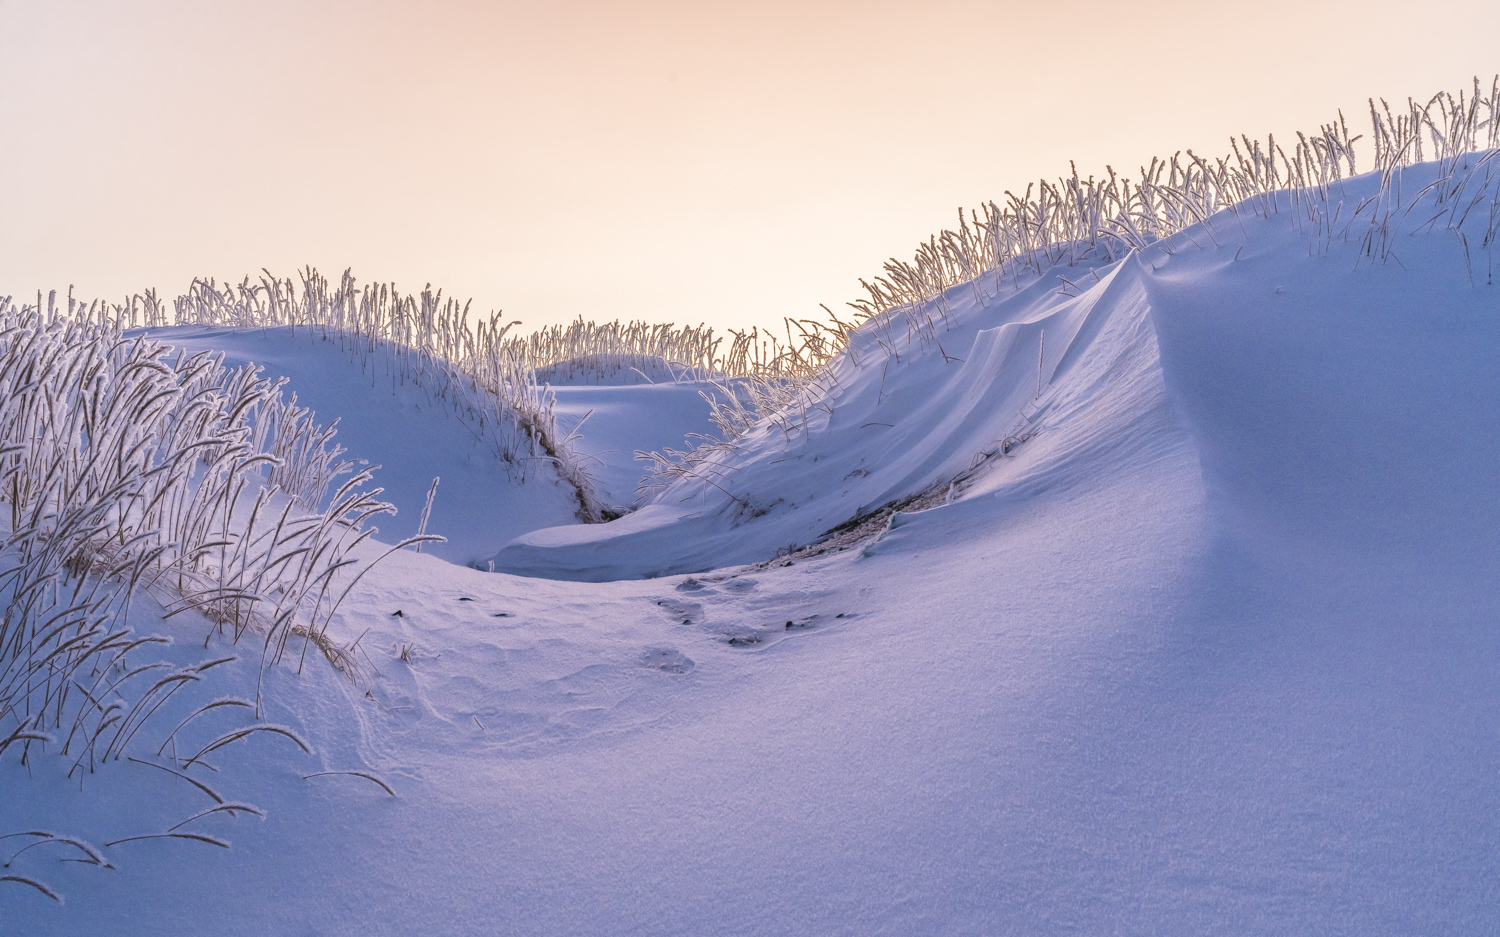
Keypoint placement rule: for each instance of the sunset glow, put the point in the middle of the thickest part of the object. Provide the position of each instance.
(614, 159)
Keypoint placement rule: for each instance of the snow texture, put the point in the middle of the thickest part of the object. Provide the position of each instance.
(1208, 647)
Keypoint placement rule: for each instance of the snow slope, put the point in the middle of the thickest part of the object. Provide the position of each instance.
(1211, 652)
(1015, 364)
(613, 422)
(480, 503)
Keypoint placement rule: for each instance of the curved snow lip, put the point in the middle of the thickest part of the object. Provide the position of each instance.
(1027, 383)
(1332, 396)
(647, 535)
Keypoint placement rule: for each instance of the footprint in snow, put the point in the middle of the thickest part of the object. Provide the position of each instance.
(683, 612)
(666, 659)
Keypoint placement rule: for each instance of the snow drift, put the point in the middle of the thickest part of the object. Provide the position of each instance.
(1183, 623)
(1026, 389)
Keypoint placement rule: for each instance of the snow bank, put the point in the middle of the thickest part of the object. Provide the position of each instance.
(1005, 383)
(1037, 384)
(613, 422)
(1207, 648)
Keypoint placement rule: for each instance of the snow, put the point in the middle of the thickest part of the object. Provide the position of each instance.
(614, 422)
(1211, 651)
(413, 439)
(480, 504)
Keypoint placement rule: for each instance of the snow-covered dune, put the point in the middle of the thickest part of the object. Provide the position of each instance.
(889, 428)
(1337, 406)
(481, 503)
(1325, 393)
(413, 438)
(1194, 633)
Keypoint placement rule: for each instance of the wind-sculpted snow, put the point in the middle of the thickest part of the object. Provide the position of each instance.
(1031, 382)
(1039, 386)
(612, 422)
(1346, 408)
(480, 501)
(1192, 632)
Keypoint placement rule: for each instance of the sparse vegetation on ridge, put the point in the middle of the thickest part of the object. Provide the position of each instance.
(498, 381)
(1089, 221)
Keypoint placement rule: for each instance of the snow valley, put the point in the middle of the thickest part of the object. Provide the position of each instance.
(1124, 563)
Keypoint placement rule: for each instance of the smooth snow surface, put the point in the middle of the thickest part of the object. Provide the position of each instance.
(614, 422)
(1213, 651)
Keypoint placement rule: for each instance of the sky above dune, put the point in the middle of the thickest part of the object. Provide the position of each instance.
(670, 161)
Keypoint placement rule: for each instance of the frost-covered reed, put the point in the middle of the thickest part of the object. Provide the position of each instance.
(497, 382)
(128, 469)
(589, 352)
(1076, 219)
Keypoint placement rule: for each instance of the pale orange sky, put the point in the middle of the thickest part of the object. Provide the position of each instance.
(673, 161)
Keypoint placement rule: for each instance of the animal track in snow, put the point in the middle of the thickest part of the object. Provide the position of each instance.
(667, 660)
